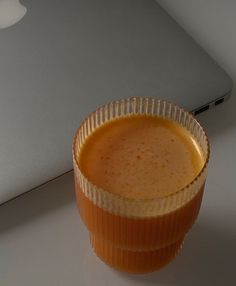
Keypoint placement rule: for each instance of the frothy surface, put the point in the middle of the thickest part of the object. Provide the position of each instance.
(141, 157)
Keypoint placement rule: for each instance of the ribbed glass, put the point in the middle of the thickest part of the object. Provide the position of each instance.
(124, 225)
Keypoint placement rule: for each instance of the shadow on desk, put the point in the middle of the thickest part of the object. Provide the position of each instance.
(207, 258)
(29, 206)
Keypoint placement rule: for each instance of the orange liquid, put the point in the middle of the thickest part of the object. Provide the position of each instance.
(140, 157)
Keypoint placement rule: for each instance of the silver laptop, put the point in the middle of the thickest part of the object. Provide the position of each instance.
(64, 58)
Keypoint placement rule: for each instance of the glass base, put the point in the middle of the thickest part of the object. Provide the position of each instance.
(137, 262)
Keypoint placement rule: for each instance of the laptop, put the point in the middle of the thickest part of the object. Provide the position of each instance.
(65, 58)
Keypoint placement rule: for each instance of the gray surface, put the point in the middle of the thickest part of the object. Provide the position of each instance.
(66, 57)
(43, 241)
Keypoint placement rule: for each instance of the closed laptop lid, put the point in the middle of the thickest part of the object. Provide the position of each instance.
(64, 58)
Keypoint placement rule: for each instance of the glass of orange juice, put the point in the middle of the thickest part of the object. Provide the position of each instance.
(140, 166)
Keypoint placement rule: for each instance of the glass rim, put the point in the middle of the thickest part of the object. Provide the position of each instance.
(140, 200)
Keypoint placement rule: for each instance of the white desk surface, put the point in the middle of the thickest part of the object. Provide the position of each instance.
(43, 241)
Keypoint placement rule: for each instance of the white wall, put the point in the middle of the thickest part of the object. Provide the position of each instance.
(212, 24)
